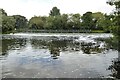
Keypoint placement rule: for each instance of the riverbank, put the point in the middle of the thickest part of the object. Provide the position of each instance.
(57, 31)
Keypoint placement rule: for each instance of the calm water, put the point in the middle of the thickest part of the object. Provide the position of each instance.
(56, 55)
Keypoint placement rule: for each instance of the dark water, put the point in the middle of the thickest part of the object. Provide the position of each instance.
(57, 56)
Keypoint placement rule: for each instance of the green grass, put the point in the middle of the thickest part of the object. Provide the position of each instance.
(54, 31)
(97, 31)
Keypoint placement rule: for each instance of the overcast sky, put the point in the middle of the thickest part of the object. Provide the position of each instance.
(29, 8)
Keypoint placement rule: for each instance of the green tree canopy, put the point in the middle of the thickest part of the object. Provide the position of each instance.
(57, 22)
(21, 21)
(2, 11)
(116, 3)
(116, 20)
(36, 23)
(8, 23)
(54, 12)
(49, 24)
(87, 20)
(76, 20)
(64, 21)
(98, 18)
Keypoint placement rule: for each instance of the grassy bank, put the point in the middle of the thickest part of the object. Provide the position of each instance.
(58, 31)
(97, 31)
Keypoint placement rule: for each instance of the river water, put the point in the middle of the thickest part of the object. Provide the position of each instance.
(56, 55)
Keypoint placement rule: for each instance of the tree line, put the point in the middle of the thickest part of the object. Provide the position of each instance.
(57, 21)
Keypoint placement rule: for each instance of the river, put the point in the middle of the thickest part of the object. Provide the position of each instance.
(50, 55)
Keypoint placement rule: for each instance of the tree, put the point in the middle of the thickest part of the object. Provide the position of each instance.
(21, 22)
(116, 18)
(36, 23)
(2, 14)
(73, 21)
(49, 22)
(87, 21)
(2, 11)
(57, 22)
(116, 3)
(106, 23)
(76, 21)
(116, 32)
(54, 12)
(8, 23)
(64, 21)
(98, 18)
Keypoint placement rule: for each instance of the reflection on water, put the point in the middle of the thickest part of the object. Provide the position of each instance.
(12, 44)
(81, 56)
(54, 48)
(115, 68)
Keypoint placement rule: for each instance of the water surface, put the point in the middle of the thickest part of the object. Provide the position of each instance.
(28, 55)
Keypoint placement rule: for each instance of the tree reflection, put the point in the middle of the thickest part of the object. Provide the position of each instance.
(39, 44)
(115, 68)
(55, 52)
(111, 43)
(91, 48)
(55, 47)
(14, 44)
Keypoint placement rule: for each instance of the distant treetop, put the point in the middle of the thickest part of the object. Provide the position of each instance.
(54, 12)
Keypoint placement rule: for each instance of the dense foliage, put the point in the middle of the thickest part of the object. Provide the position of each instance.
(116, 19)
(56, 21)
(11, 23)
